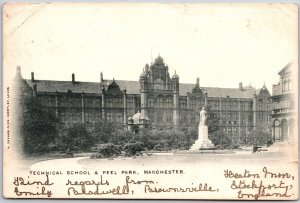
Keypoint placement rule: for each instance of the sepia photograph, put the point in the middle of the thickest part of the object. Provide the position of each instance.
(150, 101)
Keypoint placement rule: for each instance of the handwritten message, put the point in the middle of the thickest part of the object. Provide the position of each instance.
(28, 187)
(95, 183)
(247, 184)
(149, 186)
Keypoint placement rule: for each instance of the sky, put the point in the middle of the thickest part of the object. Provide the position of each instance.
(222, 44)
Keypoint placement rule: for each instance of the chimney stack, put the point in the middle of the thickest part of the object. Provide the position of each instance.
(101, 77)
(240, 86)
(18, 71)
(73, 78)
(32, 76)
(34, 92)
(198, 82)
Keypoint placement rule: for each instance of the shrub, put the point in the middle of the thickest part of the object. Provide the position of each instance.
(107, 150)
(133, 149)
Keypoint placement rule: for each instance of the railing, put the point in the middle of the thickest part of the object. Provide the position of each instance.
(281, 111)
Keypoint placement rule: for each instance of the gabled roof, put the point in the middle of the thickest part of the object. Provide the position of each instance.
(219, 92)
(286, 69)
(65, 86)
(132, 87)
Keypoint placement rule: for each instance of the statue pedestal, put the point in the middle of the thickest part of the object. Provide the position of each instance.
(203, 142)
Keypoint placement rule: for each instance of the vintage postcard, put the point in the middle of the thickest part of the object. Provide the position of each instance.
(150, 101)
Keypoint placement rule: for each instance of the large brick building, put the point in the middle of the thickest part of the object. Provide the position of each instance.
(168, 103)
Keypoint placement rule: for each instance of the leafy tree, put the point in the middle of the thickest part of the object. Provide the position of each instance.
(37, 124)
(77, 137)
(212, 122)
(103, 131)
(261, 135)
(219, 138)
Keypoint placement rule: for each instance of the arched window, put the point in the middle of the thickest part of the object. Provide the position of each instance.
(158, 84)
(260, 105)
(150, 102)
(284, 130)
(159, 101)
(223, 106)
(268, 105)
(193, 104)
(118, 102)
(260, 118)
(276, 130)
(109, 102)
(285, 85)
(182, 103)
(169, 102)
(289, 84)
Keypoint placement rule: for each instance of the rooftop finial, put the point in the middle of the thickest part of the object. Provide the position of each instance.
(198, 82)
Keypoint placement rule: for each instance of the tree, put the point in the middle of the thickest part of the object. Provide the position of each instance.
(37, 124)
(215, 133)
(103, 131)
(261, 135)
(76, 138)
(212, 122)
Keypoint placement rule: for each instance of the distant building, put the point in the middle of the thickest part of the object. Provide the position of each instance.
(283, 105)
(167, 103)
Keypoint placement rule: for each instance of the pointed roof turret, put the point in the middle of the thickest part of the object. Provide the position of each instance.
(143, 74)
(159, 60)
(175, 76)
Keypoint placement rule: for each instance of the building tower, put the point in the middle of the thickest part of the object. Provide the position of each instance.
(175, 85)
(143, 90)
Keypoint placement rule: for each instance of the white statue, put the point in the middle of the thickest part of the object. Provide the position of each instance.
(202, 117)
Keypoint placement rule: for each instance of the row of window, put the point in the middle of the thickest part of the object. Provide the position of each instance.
(264, 106)
(88, 102)
(161, 117)
(90, 116)
(76, 116)
(114, 117)
(159, 102)
(243, 130)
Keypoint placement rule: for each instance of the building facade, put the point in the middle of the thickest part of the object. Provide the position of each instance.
(283, 105)
(167, 103)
